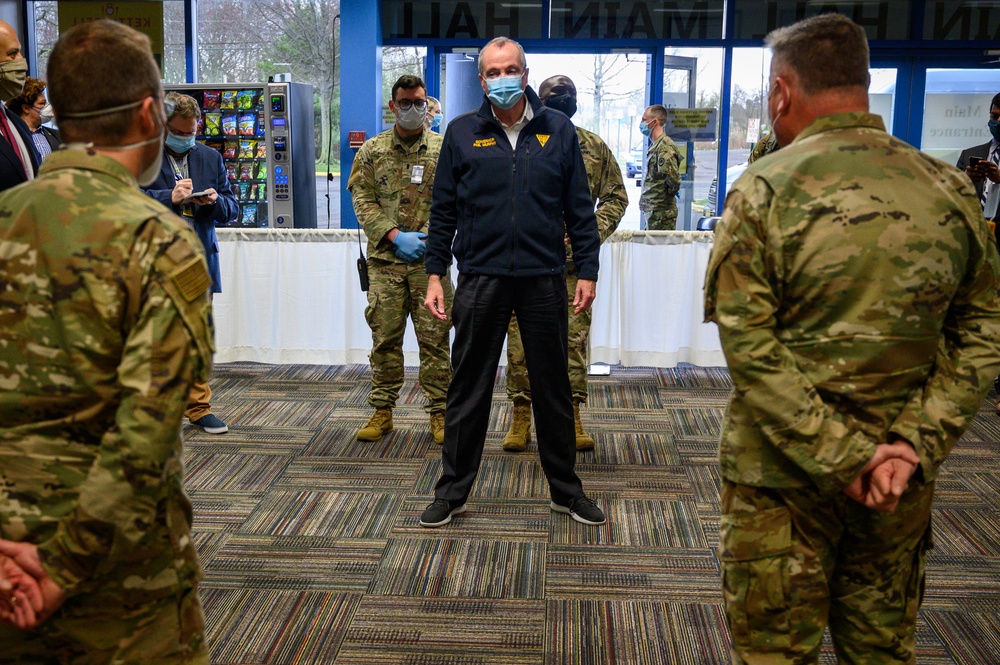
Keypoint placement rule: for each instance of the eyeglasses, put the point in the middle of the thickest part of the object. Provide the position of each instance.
(38, 109)
(406, 104)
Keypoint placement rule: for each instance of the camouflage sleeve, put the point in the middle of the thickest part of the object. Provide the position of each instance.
(361, 185)
(116, 519)
(610, 193)
(742, 297)
(671, 169)
(967, 359)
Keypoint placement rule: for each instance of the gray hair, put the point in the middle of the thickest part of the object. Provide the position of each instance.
(500, 42)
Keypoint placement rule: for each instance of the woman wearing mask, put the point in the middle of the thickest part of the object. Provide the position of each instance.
(434, 115)
(32, 107)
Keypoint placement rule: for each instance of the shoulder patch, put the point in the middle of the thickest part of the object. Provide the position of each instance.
(191, 278)
(542, 138)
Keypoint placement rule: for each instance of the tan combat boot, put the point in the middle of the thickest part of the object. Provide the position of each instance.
(583, 440)
(437, 427)
(378, 425)
(520, 428)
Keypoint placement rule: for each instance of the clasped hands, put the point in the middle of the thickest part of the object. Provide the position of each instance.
(886, 476)
(28, 595)
(409, 245)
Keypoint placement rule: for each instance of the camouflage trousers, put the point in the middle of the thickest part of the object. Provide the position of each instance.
(661, 220)
(518, 388)
(397, 291)
(96, 630)
(794, 561)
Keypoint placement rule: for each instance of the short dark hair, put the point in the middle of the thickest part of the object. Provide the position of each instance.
(995, 102)
(658, 111)
(100, 65)
(29, 93)
(825, 51)
(407, 82)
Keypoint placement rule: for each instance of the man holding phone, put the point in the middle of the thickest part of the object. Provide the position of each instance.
(193, 183)
(981, 163)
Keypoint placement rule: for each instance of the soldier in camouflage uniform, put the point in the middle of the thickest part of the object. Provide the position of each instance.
(765, 146)
(391, 183)
(104, 326)
(661, 179)
(854, 282)
(608, 193)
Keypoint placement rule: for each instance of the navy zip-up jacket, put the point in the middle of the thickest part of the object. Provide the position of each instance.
(508, 211)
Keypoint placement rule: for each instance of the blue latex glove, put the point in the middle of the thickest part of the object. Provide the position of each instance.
(409, 245)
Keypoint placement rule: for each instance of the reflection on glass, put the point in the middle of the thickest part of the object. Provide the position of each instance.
(956, 110)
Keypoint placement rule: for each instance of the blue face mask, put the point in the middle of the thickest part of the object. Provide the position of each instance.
(994, 126)
(644, 129)
(436, 120)
(504, 91)
(179, 144)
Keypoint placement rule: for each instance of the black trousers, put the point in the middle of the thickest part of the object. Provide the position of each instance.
(481, 314)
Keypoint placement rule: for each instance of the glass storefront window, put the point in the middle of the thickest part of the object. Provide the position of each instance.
(611, 96)
(956, 110)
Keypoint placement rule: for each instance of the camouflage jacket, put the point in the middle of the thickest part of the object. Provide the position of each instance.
(765, 146)
(388, 189)
(104, 325)
(607, 189)
(854, 282)
(661, 179)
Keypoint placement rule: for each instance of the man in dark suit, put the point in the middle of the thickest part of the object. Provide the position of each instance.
(18, 158)
(988, 154)
(191, 167)
(985, 175)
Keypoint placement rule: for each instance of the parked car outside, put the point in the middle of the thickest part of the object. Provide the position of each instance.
(714, 206)
(633, 165)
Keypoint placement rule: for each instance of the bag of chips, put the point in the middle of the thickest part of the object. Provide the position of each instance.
(261, 171)
(261, 150)
(210, 100)
(248, 216)
(213, 124)
(262, 191)
(245, 100)
(247, 149)
(248, 124)
(246, 171)
(229, 125)
(231, 150)
(228, 102)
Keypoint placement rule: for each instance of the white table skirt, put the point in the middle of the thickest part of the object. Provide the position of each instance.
(291, 296)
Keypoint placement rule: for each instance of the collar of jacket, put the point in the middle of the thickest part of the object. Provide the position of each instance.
(486, 112)
(398, 142)
(77, 157)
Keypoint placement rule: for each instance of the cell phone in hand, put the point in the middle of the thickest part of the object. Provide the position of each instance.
(974, 161)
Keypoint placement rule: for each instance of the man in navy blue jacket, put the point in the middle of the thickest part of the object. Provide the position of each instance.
(191, 167)
(510, 186)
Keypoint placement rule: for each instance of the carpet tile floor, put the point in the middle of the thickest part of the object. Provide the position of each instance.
(313, 555)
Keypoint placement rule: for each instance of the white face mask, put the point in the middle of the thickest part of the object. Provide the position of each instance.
(46, 114)
(410, 119)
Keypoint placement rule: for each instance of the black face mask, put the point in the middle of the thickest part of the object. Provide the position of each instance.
(565, 103)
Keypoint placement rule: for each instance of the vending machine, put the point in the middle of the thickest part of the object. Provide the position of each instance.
(265, 134)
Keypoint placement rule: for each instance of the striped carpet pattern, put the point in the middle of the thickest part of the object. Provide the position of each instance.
(313, 554)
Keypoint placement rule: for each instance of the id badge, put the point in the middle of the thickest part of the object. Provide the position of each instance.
(417, 174)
